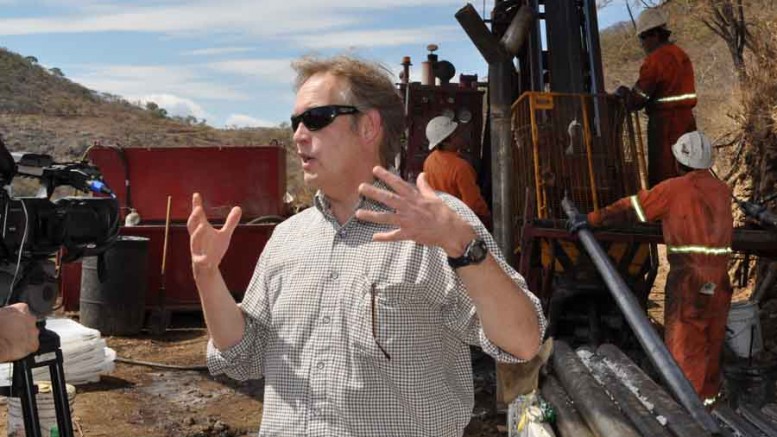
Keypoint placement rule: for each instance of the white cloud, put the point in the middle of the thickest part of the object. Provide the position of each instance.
(378, 38)
(137, 80)
(174, 105)
(248, 17)
(242, 120)
(236, 16)
(216, 51)
(276, 70)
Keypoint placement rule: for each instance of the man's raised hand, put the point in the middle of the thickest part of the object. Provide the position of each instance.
(418, 214)
(208, 244)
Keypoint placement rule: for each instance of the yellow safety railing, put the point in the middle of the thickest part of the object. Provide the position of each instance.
(574, 144)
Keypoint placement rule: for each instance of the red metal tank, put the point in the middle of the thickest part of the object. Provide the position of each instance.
(253, 178)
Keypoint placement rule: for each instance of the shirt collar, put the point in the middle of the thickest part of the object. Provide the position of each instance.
(322, 203)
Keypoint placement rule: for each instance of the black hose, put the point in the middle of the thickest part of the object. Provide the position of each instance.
(198, 367)
(273, 219)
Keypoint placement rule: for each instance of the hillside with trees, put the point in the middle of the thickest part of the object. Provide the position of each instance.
(43, 111)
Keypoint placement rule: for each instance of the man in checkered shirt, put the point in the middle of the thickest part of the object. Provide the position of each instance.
(362, 308)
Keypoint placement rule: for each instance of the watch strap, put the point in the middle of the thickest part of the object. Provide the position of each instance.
(475, 252)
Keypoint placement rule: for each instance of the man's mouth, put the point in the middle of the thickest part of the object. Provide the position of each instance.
(306, 159)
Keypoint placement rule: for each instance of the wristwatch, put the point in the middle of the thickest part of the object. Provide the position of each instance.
(475, 253)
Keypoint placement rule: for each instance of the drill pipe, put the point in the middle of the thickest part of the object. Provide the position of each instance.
(677, 419)
(568, 419)
(500, 86)
(741, 427)
(599, 412)
(766, 284)
(760, 420)
(656, 350)
(640, 416)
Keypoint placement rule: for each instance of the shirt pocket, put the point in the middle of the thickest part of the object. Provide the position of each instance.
(393, 320)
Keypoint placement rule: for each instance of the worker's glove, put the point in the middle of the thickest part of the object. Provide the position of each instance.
(578, 222)
(759, 213)
(622, 91)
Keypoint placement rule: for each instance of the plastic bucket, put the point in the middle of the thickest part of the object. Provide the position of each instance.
(752, 385)
(743, 329)
(47, 413)
(117, 305)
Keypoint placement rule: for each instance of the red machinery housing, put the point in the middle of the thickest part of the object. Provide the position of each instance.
(253, 178)
(462, 102)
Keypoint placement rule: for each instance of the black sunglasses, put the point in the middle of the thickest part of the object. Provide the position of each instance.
(321, 116)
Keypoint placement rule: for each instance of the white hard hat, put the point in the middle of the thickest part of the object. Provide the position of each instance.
(438, 129)
(693, 150)
(650, 19)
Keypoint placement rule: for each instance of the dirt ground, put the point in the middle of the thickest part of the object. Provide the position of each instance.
(137, 400)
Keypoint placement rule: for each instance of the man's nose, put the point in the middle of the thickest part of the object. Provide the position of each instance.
(301, 133)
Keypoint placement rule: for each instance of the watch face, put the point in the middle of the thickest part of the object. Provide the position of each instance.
(477, 250)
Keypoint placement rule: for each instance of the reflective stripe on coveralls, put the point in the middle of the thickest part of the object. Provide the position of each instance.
(667, 99)
(638, 208)
(704, 250)
(677, 98)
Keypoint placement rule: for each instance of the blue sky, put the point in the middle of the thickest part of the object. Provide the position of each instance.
(227, 61)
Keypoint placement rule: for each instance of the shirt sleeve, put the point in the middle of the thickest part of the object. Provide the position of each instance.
(645, 206)
(466, 181)
(655, 202)
(245, 360)
(621, 211)
(459, 310)
(647, 83)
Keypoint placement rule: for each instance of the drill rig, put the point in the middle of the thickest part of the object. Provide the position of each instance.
(542, 129)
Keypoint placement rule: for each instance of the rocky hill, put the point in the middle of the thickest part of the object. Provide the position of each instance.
(41, 109)
(44, 112)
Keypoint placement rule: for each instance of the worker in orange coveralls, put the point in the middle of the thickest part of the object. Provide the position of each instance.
(696, 220)
(447, 171)
(665, 89)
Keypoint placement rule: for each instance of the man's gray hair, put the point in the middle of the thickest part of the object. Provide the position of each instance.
(369, 87)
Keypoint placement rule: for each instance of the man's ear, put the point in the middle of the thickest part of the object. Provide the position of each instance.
(370, 126)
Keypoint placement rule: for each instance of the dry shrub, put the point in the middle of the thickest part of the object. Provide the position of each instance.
(759, 110)
(755, 174)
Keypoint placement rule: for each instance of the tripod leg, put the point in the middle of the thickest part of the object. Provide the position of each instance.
(61, 402)
(22, 379)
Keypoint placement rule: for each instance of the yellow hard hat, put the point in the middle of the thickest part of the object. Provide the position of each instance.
(650, 19)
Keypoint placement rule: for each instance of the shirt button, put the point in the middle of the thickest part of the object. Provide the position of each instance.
(320, 365)
(316, 412)
(342, 233)
(333, 275)
(326, 320)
